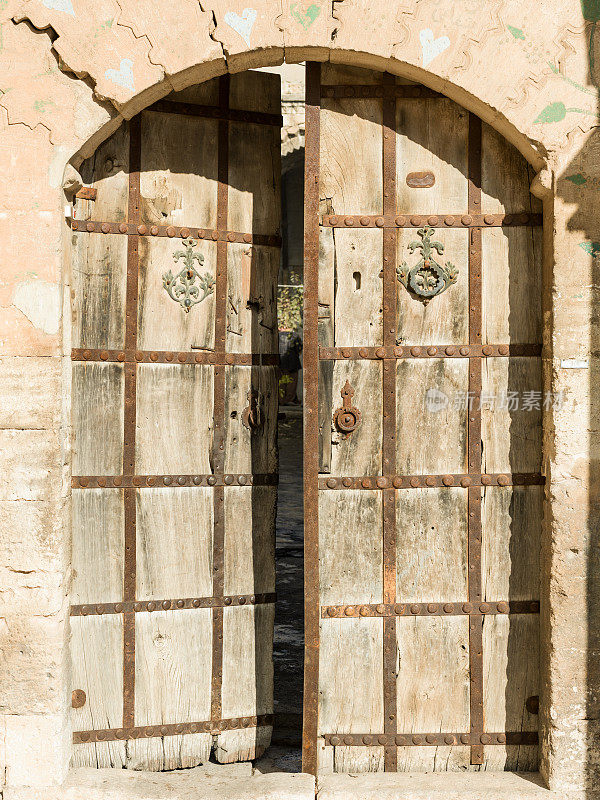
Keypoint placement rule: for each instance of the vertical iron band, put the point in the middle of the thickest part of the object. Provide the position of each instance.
(311, 422)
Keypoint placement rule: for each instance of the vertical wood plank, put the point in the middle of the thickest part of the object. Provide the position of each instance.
(97, 416)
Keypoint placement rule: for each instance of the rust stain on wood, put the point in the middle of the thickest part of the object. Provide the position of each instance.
(420, 180)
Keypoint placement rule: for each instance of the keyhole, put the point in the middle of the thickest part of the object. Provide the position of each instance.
(356, 276)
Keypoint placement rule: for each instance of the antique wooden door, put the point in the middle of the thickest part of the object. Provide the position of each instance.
(174, 280)
(423, 492)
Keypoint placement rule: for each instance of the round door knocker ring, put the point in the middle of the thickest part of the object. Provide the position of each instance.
(347, 418)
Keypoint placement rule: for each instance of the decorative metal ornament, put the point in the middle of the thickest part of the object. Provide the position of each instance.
(427, 278)
(347, 418)
(182, 287)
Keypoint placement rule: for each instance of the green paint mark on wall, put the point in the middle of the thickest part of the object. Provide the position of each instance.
(578, 179)
(306, 18)
(43, 105)
(592, 248)
(556, 112)
(516, 32)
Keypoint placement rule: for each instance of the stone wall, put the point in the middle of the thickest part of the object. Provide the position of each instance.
(70, 72)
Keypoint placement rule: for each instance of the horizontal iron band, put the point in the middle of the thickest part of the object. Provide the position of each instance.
(156, 481)
(430, 481)
(433, 220)
(214, 112)
(431, 609)
(434, 739)
(186, 357)
(430, 351)
(181, 604)
(173, 232)
(149, 731)
(410, 91)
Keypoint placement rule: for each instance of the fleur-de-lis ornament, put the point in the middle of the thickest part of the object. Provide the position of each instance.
(427, 278)
(182, 287)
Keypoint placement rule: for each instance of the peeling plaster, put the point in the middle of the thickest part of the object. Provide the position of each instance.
(39, 301)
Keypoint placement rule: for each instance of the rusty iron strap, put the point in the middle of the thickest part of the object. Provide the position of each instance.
(142, 481)
(180, 604)
(311, 422)
(137, 229)
(217, 112)
(219, 402)
(430, 351)
(129, 421)
(420, 481)
(471, 220)
(474, 442)
(214, 727)
(389, 419)
(168, 357)
(438, 609)
(431, 739)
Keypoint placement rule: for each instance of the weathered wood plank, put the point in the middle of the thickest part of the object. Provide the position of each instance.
(97, 664)
(170, 562)
(431, 545)
(98, 277)
(247, 679)
(97, 419)
(108, 171)
(252, 272)
(505, 177)
(512, 285)
(511, 532)
(431, 416)
(435, 759)
(511, 430)
(98, 546)
(163, 324)
(174, 419)
(431, 137)
(249, 540)
(350, 547)
(172, 673)
(178, 181)
(360, 452)
(445, 319)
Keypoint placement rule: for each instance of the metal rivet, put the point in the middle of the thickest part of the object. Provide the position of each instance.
(379, 222)
(167, 480)
(414, 482)
(331, 612)
(464, 351)
(398, 351)
(399, 608)
(503, 350)
(137, 606)
(228, 479)
(487, 350)
(416, 221)
(151, 481)
(90, 227)
(180, 603)
(196, 602)
(397, 482)
(335, 740)
(503, 480)
(333, 220)
(142, 230)
(166, 604)
(400, 740)
(485, 738)
(123, 228)
(214, 235)
(99, 609)
(181, 480)
(347, 482)
(486, 480)
(366, 483)
(349, 221)
(467, 608)
(100, 735)
(432, 350)
(415, 351)
(380, 352)
(182, 357)
(150, 606)
(488, 219)
(449, 220)
(465, 481)
(430, 481)
(227, 601)
(211, 480)
(231, 237)
(448, 480)
(248, 238)
(430, 738)
(367, 739)
(154, 230)
(449, 739)
(465, 738)
(242, 480)
(364, 611)
(380, 608)
(171, 231)
(432, 608)
(242, 600)
(74, 225)
(484, 608)
(433, 220)
(381, 483)
(349, 611)
(120, 356)
(503, 607)
(78, 698)
(400, 221)
(417, 739)
(448, 608)
(346, 353)
(467, 219)
(501, 738)
(118, 608)
(331, 483)
(414, 609)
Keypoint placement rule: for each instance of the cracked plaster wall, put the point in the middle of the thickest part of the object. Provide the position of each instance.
(70, 72)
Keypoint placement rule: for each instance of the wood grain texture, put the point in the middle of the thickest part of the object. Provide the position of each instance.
(435, 759)
(98, 280)
(445, 319)
(360, 452)
(428, 440)
(511, 433)
(350, 547)
(174, 543)
(431, 136)
(97, 664)
(98, 546)
(252, 272)
(97, 419)
(512, 285)
(108, 171)
(511, 534)
(505, 177)
(174, 419)
(162, 322)
(431, 541)
(179, 170)
(249, 540)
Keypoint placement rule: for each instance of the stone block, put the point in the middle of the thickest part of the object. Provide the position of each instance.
(36, 750)
(31, 392)
(29, 464)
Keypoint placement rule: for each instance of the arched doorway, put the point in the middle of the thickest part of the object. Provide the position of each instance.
(422, 516)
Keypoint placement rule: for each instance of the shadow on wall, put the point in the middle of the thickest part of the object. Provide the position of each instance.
(580, 186)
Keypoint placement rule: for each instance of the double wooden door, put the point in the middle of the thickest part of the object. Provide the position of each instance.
(422, 375)
(174, 284)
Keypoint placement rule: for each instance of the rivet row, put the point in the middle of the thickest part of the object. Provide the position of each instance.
(141, 481)
(211, 726)
(410, 739)
(430, 481)
(172, 232)
(431, 609)
(162, 357)
(166, 605)
(434, 220)
(430, 351)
